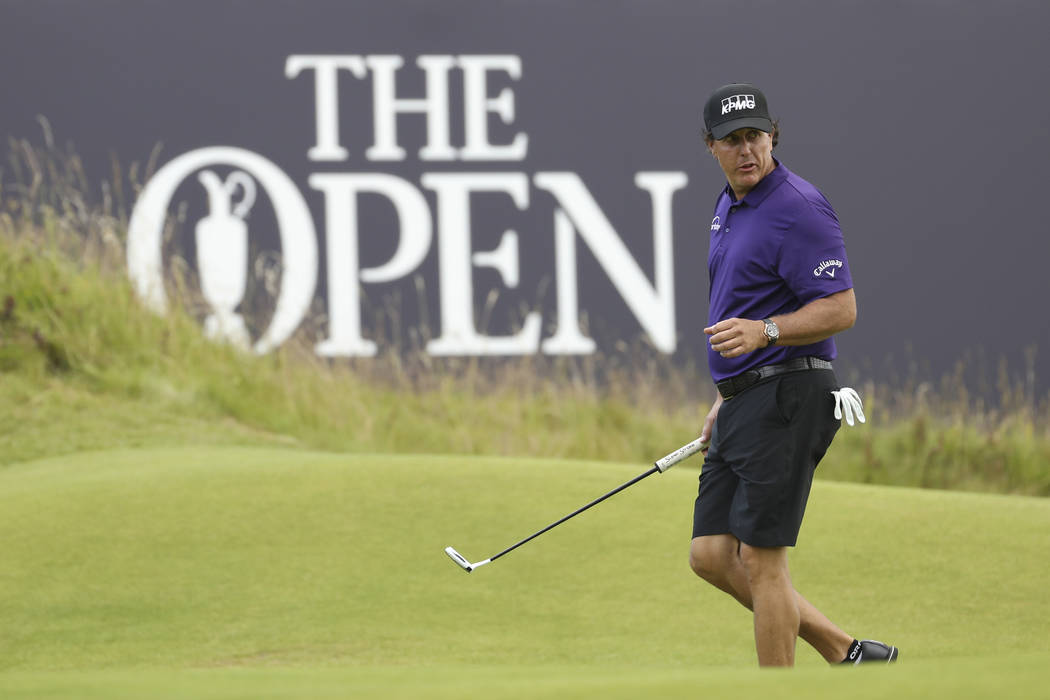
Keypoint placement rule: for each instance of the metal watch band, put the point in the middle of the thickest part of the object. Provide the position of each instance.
(772, 332)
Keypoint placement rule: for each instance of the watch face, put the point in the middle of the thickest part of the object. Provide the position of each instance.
(772, 331)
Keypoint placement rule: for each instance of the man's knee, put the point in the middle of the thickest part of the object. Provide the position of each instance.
(710, 556)
(764, 563)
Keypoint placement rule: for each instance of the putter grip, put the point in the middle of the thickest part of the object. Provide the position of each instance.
(665, 463)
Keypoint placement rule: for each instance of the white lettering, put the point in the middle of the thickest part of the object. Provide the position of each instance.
(344, 273)
(568, 338)
(459, 335)
(477, 105)
(736, 102)
(385, 108)
(822, 267)
(653, 307)
(326, 98)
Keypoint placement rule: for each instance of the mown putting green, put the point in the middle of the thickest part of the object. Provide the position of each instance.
(237, 572)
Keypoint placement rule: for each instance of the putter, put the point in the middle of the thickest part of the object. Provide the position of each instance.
(661, 465)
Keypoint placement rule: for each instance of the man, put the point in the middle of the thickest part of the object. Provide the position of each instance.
(780, 289)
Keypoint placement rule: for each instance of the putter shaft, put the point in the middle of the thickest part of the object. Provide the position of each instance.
(661, 465)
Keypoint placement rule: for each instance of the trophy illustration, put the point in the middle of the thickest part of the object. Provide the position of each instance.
(222, 254)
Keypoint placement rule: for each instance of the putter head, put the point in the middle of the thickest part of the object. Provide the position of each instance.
(459, 559)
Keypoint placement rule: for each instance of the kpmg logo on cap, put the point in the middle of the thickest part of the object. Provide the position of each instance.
(737, 102)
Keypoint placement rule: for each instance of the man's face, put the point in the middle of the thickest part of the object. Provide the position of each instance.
(746, 156)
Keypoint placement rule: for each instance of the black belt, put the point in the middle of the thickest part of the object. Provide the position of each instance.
(729, 388)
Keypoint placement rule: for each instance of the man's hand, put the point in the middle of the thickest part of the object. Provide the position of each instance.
(709, 424)
(737, 336)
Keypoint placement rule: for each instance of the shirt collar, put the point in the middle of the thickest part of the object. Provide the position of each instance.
(762, 190)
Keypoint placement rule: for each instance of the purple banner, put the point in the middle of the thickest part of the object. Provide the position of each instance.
(506, 178)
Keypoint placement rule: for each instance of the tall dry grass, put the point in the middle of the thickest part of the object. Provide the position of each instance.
(84, 366)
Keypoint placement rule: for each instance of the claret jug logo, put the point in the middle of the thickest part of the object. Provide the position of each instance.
(230, 184)
(222, 241)
(222, 253)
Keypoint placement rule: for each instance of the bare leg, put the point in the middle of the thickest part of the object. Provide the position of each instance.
(774, 602)
(716, 559)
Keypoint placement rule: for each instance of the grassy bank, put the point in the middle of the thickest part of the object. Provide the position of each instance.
(84, 366)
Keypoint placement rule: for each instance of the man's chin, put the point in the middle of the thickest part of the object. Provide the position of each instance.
(746, 183)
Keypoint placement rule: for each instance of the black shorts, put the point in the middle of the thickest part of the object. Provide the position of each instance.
(765, 446)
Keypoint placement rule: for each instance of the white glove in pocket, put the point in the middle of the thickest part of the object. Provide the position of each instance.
(847, 402)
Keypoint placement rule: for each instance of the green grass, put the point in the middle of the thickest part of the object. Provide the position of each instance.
(266, 572)
(78, 350)
(976, 679)
(85, 367)
(181, 520)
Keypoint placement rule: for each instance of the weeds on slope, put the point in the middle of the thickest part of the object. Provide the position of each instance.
(83, 365)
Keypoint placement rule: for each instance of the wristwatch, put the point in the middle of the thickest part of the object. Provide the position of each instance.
(772, 332)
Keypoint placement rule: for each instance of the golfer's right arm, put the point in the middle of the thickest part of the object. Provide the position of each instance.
(709, 422)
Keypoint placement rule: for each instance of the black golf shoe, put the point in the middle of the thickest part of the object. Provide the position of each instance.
(871, 651)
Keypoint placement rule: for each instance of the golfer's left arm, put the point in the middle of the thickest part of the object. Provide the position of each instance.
(817, 320)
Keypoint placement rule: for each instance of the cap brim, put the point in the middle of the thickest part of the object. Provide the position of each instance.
(726, 128)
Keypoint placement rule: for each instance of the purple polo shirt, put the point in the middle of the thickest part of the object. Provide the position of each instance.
(771, 253)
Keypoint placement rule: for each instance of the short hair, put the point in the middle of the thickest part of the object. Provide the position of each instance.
(709, 138)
